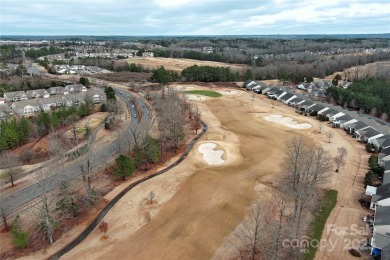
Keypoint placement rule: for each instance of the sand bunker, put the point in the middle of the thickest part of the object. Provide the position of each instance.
(229, 92)
(211, 156)
(195, 97)
(287, 121)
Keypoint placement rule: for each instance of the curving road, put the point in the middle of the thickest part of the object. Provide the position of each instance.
(111, 204)
(20, 199)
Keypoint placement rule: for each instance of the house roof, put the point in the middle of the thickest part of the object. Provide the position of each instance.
(317, 107)
(14, 93)
(22, 104)
(382, 192)
(386, 151)
(306, 103)
(382, 216)
(296, 100)
(384, 141)
(380, 240)
(344, 118)
(287, 96)
(359, 125)
(385, 253)
(370, 132)
(51, 100)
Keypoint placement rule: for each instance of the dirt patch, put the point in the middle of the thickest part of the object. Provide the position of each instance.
(180, 64)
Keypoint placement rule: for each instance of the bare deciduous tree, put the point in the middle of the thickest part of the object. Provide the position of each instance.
(329, 134)
(339, 159)
(151, 197)
(250, 234)
(306, 167)
(10, 164)
(320, 127)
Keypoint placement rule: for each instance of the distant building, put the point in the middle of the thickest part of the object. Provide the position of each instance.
(207, 50)
(147, 54)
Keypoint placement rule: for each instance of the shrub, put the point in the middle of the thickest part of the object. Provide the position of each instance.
(103, 108)
(19, 237)
(354, 252)
(373, 161)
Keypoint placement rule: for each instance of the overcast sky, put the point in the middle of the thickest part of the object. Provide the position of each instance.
(193, 17)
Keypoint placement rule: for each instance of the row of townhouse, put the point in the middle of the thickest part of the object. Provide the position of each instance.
(360, 126)
(379, 199)
(317, 88)
(29, 107)
(43, 93)
(364, 129)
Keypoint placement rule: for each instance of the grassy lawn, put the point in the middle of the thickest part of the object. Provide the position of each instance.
(207, 93)
(318, 224)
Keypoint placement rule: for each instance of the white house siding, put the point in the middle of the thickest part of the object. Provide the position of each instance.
(345, 124)
(333, 118)
(384, 202)
(374, 137)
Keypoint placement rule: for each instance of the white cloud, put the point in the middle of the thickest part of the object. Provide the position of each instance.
(159, 17)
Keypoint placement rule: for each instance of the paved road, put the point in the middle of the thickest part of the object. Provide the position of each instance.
(15, 202)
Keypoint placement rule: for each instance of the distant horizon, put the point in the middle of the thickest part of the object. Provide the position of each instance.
(193, 17)
(194, 35)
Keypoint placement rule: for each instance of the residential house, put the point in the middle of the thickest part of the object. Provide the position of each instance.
(367, 134)
(359, 125)
(58, 91)
(15, 96)
(288, 97)
(4, 111)
(381, 197)
(147, 54)
(93, 69)
(97, 95)
(25, 107)
(296, 101)
(46, 104)
(305, 105)
(335, 116)
(37, 93)
(74, 99)
(384, 156)
(303, 86)
(381, 231)
(75, 88)
(381, 142)
(249, 83)
(315, 109)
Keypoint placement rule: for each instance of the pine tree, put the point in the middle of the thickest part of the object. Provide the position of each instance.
(124, 167)
(19, 237)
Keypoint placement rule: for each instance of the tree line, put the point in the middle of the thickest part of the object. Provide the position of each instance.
(371, 95)
(17, 132)
(36, 53)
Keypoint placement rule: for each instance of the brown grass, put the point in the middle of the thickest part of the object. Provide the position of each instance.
(180, 64)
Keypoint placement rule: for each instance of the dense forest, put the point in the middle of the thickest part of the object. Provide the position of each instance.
(209, 74)
(370, 95)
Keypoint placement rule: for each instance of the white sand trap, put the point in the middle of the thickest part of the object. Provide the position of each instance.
(195, 97)
(287, 121)
(229, 92)
(211, 156)
(189, 87)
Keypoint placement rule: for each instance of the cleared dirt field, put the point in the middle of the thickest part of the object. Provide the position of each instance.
(180, 64)
(197, 206)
